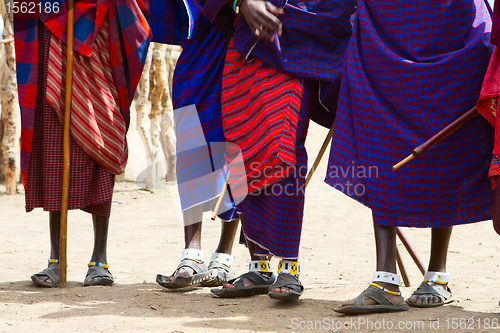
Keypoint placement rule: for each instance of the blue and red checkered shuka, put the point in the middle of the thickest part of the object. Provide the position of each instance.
(411, 68)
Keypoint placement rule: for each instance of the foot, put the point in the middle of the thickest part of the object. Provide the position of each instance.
(284, 289)
(46, 278)
(246, 282)
(185, 271)
(102, 272)
(428, 298)
(98, 274)
(368, 301)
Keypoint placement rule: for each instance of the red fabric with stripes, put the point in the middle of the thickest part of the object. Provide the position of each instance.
(91, 186)
(260, 112)
(97, 124)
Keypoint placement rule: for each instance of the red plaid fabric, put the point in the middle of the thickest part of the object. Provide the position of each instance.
(91, 186)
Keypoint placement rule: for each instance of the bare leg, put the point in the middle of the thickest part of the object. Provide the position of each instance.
(192, 240)
(228, 232)
(439, 250)
(101, 226)
(54, 228)
(385, 242)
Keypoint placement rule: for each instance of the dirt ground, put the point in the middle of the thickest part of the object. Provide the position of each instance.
(337, 256)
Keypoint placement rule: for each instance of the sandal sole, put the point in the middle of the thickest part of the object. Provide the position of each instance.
(362, 309)
(288, 296)
(181, 282)
(99, 282)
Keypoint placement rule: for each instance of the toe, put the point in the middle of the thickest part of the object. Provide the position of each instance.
(347, 303)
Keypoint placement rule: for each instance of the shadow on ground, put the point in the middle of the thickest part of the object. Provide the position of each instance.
(199, 309)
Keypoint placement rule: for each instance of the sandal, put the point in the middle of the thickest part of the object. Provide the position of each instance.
(384, 304)
(220, 270)
(255, 274)
(190, 259)
(427, 288)
(289, 278)
(52, 273)
(96, 277)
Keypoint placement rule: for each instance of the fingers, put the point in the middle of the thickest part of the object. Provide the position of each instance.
(261, 18)
(274, 10)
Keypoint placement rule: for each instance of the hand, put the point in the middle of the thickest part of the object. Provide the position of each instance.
(261, 17)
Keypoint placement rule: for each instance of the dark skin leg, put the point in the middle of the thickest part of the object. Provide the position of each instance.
(385, 242)
(101, 226)
(437, 263)
(100, 239)
(192, 240)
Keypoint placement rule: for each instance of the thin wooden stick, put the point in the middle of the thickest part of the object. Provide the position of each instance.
(405, 242)
(219, 201)
(66, 158)
(411, 251)
(444, 133)
(328, 139)
(402, 268)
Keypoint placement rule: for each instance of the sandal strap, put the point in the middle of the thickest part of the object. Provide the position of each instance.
(193, 254)
(291, 267)
(380, 298)
(426, 289)
(287, 280)
(219, 266)
(263, 266)
(52, 273)
(95, 273)
(190, 263)
(100, 264)
(386, 277)
(256, 277)
(437, 277)
(385, 289)
(222, 258)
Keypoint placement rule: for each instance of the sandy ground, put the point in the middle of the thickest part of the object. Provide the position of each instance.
(337, 256)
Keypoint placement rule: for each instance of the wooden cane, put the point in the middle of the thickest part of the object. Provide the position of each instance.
(219, 201)
(402, 269)
(410, 250)
(328, 139)
(405, 242)
(66, 148)
(444, 133)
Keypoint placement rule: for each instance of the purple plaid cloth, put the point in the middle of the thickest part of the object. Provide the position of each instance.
(411, 68)
(312, 46)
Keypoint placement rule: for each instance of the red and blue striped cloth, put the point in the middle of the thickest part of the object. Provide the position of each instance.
(129, 40)
(266, 114)
(411, 68)
(312, 46)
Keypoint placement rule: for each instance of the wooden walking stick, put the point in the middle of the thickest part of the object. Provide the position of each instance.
(445, 132)
(328, 139)
(410, 250)
(219, 201)
(66, 147)
(403, 239)
(402, 268)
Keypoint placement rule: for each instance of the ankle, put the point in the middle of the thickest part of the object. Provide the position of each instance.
(386, 281)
